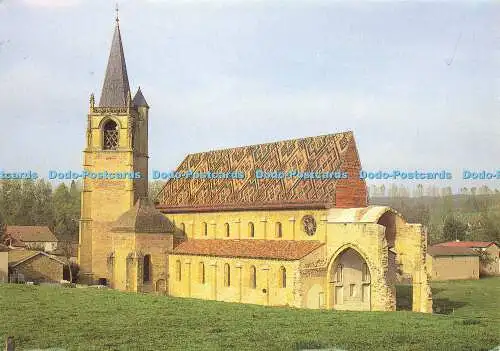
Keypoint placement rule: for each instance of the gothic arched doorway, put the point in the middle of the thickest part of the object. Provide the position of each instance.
(350, 282)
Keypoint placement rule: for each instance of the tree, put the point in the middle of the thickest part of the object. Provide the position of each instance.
(67, 250)
(65, 215)
(10, 199)
(2, 229)
(419, 191)
(454, 229)
(43, 209)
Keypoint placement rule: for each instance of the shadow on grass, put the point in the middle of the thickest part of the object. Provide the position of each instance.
(446, 306)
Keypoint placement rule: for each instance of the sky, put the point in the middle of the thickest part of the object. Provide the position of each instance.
(417, 82)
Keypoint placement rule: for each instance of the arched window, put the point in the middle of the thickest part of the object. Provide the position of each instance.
(365, 273)
(339, 276)
(110, 135)
(251, 230)
(253, 277)
(279, 232)
(282, 277)
(183, 228)
(226, 229)
(146, 269)
(178, 270)
(205, 228)
(227, 275)
(201, 272)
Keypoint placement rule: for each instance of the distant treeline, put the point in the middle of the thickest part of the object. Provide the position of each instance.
(451, 217)
(393, 190)
(29, 202)
(472, 215)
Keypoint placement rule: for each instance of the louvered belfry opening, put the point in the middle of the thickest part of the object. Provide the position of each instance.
(110, 135)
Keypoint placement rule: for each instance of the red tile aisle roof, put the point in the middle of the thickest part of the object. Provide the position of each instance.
(272, 249)
(469, 244)
(438, 250)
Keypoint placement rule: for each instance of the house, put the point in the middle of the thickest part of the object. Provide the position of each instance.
(36, 266)
(4, 264)
(448, 263)
(489, 263)
(31, 237)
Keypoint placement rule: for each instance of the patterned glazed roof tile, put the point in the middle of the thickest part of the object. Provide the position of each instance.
(324, 153)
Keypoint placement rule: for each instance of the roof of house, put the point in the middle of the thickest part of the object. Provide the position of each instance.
(469, 244)
(17, 257)
(248, 248)
(325, 153)
(437, 250)
(27, 233)
(143, 218)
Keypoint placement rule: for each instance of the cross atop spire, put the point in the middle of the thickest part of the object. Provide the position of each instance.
(117, 10)
(115, 89)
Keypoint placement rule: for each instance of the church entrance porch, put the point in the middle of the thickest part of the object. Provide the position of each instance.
(350, 282)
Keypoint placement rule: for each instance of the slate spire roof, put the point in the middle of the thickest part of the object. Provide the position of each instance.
(115, 89)
(139, 99)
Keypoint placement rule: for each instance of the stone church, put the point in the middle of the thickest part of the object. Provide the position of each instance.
(308, 243)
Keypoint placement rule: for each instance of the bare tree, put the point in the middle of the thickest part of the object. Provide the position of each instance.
(66, 249)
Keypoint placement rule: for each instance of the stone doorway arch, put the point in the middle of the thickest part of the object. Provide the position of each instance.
(350, 282)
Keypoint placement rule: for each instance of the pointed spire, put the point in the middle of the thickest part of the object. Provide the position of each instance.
(116, 87)
(139, 99)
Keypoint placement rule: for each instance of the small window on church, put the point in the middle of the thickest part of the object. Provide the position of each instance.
(183, 228)
(178, 272)
(227, 275)
(282, 277)
(146, 273)
(253, 277)
(279, 231)
(202, 273)
(110, 135)
(339, 273)
(226, 228)
(365, 273)
(205, 228)
(251, 230)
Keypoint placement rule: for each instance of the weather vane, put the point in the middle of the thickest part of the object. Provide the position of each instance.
(116, 9)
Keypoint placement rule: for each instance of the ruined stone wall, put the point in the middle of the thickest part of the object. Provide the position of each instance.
(368, 239)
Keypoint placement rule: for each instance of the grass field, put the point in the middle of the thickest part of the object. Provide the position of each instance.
(42, 317)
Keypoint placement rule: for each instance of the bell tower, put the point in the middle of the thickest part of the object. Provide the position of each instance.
(115, 162)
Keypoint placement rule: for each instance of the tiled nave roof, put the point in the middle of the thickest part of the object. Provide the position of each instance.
(325, 153)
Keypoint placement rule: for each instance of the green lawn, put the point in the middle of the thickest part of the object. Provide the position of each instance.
(89, 319)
